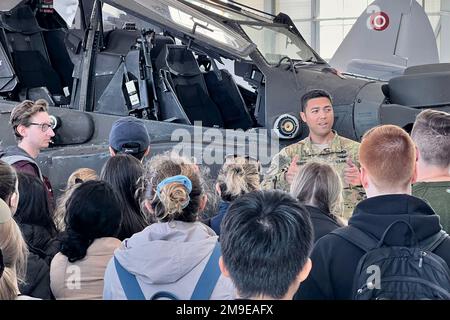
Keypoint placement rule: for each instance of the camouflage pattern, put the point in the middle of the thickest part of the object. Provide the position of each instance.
(336, 155)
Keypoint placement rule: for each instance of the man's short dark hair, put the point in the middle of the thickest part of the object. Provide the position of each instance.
(266, 239)
(313, 94)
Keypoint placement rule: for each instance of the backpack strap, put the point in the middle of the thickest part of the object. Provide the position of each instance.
(209, 276)
(129, 283)
(357, 237)
(203, 289)
(434, 241)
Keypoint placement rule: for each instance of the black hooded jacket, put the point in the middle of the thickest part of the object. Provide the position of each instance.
(335, 260)
(322, 222)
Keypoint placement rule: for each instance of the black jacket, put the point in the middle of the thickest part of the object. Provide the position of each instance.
(42, 247)
(37, 282)
(335, 259)
(217, 219)
(322, 222)
(40, 239)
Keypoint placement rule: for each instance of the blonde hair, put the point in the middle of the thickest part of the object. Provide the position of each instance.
(238, 176)
(388, 154)
(81, 175)
(175, 202)
(15, 253)
(23, 112)
(319, 185)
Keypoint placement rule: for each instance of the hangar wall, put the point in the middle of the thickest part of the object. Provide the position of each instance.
(324, 23)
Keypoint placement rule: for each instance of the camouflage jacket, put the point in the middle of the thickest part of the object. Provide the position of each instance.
(340, 149)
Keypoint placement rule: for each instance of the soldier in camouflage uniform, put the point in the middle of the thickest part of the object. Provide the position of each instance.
(322, 145)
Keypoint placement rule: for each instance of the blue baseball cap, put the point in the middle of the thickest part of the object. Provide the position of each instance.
(129, 135)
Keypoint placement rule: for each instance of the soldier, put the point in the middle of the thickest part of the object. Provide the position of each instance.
(322, 145)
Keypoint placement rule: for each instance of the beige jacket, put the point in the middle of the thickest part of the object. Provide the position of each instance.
(83, 279)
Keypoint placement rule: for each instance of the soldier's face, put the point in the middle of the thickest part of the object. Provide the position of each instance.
(319, 116)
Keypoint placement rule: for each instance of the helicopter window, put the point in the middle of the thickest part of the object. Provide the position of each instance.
(198, 26)
(222, 11)
(274, 43)
(176, 16)
(114, 18)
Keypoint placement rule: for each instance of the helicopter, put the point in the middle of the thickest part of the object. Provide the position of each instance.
(206, 76)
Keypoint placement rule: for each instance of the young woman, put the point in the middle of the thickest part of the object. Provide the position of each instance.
(170, 254)
(319, 188)
(123, 172)
(92, 220)
(238, 175)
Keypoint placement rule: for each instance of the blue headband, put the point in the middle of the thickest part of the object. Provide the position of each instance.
(179, 179)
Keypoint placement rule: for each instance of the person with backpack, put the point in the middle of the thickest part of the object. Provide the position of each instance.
(176, 257)
(393, 247)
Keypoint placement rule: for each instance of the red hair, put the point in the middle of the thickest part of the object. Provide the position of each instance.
(388, 154)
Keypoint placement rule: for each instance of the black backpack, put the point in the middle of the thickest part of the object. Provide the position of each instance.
(398, 272)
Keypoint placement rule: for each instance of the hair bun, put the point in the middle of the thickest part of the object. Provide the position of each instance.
(238, 170)
(174, 197)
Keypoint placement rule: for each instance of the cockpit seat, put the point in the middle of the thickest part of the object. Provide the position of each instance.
(187, 81)
(25, 42)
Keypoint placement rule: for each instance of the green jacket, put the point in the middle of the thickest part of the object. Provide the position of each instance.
(437, 194)
(336, 155)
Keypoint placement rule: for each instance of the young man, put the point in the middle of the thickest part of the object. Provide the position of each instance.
(32, 127)
(431, 134)
(388, 158)
(129, 135)
(324, 145)
(266, 239)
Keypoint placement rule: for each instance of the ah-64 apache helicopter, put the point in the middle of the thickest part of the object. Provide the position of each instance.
(173, 63)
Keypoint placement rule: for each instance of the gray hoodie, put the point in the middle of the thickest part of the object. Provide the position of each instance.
(166, 257)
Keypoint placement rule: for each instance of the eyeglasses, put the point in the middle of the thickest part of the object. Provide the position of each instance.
(44, 126)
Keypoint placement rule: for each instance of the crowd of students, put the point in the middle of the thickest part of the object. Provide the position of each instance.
(138, 229)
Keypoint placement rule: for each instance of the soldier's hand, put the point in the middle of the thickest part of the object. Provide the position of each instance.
(352, 174)
(292, 170)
